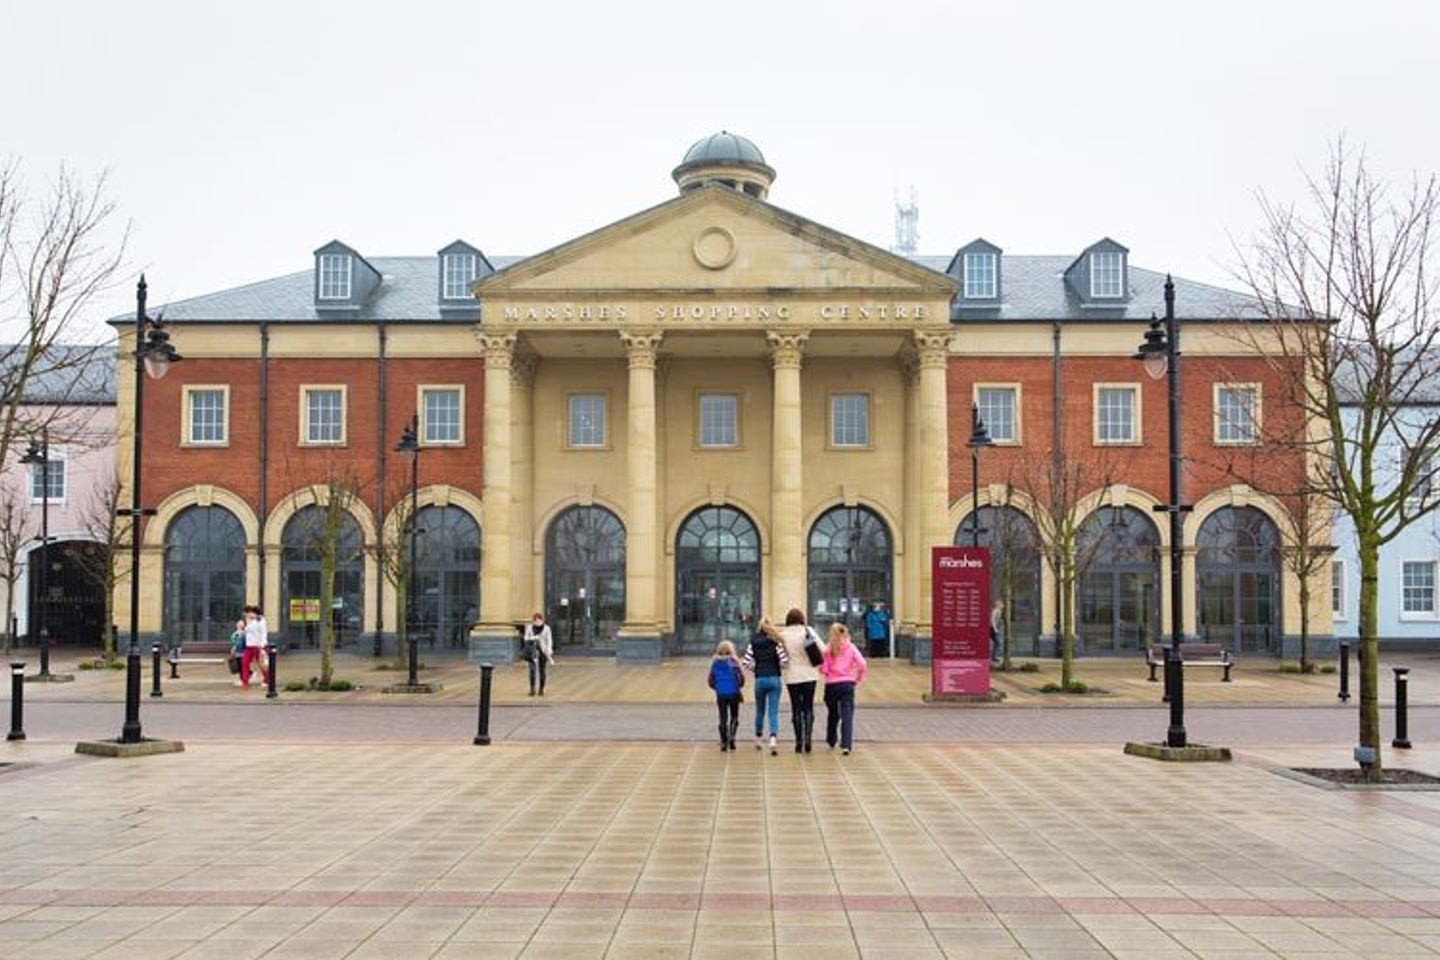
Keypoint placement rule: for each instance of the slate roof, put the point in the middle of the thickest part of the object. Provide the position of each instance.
(80, 373)
(1032, 288)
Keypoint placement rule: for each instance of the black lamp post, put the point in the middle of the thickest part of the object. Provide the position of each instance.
(1160, 352)
(410, 446)
(979, 437)
(153, 356)
(39, 454)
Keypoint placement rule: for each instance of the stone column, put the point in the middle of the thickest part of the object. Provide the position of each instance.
(639, 637)
(933, 354)
(494, 636)
(525, 598)
(787, 536)
(908, 596)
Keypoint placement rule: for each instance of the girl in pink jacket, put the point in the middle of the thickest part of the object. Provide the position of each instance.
(843, 668)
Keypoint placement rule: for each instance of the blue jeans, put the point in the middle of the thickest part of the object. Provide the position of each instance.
(767, 701)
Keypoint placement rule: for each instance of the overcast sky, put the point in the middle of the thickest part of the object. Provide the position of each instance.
(239, 137)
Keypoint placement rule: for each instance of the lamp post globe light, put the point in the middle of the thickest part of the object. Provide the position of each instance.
(153, 356)
(979, 438)
(409, 445)
(1160, 353)
(39, 455)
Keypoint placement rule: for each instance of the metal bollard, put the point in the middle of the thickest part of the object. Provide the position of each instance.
(1344, 672)
(17, 701)
(270, 693)
(155, 670)
(1402, 704)
(482, 732)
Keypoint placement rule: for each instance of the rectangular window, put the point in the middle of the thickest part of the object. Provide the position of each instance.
(324, 413)
(206, 417)
(719, 420)
(1115, 414)
(979, 276)
(999, 411)
(1237, 413)
(587, 420)
(334, 276)
(459, 273)
(1421, 484)
(1417, 587)
(850, 420)
(1337, 589)
(47, 480)
(1107, 274)
(440, 415)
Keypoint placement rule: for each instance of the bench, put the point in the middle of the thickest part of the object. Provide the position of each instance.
(200, 652)
(1192, 655)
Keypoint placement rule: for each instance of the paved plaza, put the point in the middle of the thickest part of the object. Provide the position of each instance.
(371, 827)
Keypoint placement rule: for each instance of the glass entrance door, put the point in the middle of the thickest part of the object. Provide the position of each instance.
(586, 608)
(717, 580)
(1118, 611)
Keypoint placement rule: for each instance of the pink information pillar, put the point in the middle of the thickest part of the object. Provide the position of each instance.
(960, 620)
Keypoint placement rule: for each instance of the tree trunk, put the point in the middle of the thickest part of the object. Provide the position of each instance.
(1067, 631)
(327, 618)
(1005, 635)
(1369, 551)
(1304, 625)
(109, 640)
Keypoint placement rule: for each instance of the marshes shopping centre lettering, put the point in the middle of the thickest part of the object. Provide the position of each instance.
(860, 313)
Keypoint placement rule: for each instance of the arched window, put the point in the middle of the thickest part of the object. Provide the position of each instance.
(717, 579)
(585, 577)
(204, 575)
(850, 556)
(302, 543)
(1117, 552)
(1015, 559)
(447, 575)
(1238, 572)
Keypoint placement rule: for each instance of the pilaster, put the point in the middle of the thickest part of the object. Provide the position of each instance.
(494, 636)
(639, 637)
(787, 553)
(524, 596)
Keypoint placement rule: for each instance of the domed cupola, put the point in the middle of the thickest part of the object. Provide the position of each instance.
(727, 159)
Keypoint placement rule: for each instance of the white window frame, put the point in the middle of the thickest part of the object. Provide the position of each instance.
(604, 442)
(1338, 583)
(1016, 392)
(1428, 492)
(869, 441)
(446, 276)
(330, 258)
(1422, 615)
(700, 398)
(420, 396)
(55, 455)
(187, 427)
(306, 440)
(1095, 255)
(1255, 414)
(974, 291)
(1136, 420)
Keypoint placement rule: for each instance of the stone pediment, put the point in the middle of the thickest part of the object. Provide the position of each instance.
(714, 242)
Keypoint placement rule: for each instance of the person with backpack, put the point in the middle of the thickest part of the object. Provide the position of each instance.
(843, 667)
(538, 649)
(766, 659)
(727, 679)
(802, 648)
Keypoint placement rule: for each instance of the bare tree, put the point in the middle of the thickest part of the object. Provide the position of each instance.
(108, 565)
(14, 534)
(325, 531)
(1011, 538)
(1346, 287)
(392, 554)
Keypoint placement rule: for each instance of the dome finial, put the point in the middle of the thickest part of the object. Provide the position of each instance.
(727, 159)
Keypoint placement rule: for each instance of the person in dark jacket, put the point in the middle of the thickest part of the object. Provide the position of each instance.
(726, 679)
(767, 660)
(877, 630)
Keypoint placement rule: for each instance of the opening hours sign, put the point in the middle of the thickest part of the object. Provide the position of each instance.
(960, 622)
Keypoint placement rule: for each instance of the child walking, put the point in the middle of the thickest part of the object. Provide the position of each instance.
(726, 679)
(843, 668)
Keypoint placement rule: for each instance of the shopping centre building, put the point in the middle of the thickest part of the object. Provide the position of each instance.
(709, 411)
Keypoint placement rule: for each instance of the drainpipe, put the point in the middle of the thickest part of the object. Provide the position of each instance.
(264, 450)
(1057, 452)
(380, 495)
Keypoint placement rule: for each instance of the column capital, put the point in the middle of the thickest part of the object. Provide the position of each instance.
(522, 368)
(641, 346)
(787, 347)
(932, 349)
(499, 349)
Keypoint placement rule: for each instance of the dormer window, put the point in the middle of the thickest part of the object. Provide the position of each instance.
(458, 275)
(979, 276)
(1107, 274)
(335, 271)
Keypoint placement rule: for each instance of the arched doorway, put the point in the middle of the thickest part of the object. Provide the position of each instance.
(585, 577)
(447, 575)
(1014, 546)
(74, 594)
(204, 575)
(301, 544)
(1118, 553)
(717, 579)
(1237, 568)
(849, 568)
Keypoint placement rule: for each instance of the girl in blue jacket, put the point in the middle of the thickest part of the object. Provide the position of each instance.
(726, 679)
